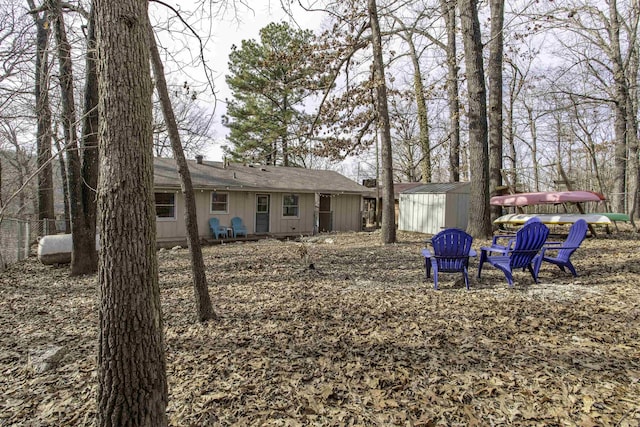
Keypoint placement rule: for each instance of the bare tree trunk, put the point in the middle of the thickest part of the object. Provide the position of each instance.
(90, 154)
(65, 187)
(382, 109)
(449, 13)
(533, 129)
(495, 102)
(633, 163)
(285, 131)
(632, 120)
(203, 301)
(479, 217)
(514, 90)
(132, 383)
(423, 112)
(82, 240)
(46, 209)
(620, 105)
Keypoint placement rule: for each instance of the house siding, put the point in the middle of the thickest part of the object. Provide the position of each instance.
(243, 183)
(172, 227)
(346, 210)
(303, 224)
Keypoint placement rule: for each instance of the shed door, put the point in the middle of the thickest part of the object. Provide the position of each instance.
(325, 220)
(262, 213)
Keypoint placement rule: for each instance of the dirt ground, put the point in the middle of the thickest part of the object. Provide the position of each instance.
(358, 339)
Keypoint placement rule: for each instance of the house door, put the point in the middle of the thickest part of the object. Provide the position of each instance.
(325, 218)
(262, 213)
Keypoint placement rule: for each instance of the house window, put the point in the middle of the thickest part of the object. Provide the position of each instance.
(219, 202)
(290, 205)
(165, 206)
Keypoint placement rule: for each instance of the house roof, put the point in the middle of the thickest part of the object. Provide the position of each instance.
(402, 187)
(437, 187)
(239, 177)
(398, 187)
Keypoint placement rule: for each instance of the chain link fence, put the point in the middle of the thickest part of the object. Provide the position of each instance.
(18, 235)
(15, 241)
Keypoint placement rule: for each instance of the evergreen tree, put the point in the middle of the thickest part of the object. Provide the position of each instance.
(270, 81)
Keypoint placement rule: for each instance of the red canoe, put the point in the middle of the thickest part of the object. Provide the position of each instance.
(546, 197)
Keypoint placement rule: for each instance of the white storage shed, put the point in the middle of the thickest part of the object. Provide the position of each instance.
(429, 208)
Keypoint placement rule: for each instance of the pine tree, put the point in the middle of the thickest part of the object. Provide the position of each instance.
(270, 81)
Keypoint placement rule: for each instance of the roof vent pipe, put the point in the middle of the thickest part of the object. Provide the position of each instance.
(199, 158)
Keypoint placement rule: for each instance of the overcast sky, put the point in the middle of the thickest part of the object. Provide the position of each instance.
(221, 34)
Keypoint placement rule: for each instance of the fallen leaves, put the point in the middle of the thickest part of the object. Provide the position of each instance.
(359, 339)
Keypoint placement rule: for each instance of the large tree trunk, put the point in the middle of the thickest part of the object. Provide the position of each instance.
(384, 127)
(633, 68)
(83, 242)
(449, 13)
(620, 111)
(46, 210)
(632, 142)
(495, 102)
(132, 384)
(203, 302)
(479, 218)
(90, 153)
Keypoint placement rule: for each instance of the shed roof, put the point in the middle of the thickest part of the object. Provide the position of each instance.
(239, 177)
(438, 187)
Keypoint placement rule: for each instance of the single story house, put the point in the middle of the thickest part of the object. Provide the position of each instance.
(429, 208)
(271, 200)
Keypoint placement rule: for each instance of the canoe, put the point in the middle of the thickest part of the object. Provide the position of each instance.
(613, 216)
(546, 197)
(518, 219)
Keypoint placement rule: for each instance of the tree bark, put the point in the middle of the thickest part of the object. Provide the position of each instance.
(449, 13)
(495, 102)
(633, 181)
(46, 209)
(479, 217)
(132, 384)
(620, 113)
(203, 301)
(83, 243)
(89, 152)
(382, 109)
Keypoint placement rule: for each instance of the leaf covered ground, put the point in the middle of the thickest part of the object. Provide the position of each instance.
(340, 330)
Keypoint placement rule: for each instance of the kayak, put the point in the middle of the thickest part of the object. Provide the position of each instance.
(518, 219)
(546, 197)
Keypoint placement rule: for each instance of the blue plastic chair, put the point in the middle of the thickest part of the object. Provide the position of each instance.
(529, 241)
(216, 229)
(451, 252)
(495, 247)
(576, 235)
(238, 227)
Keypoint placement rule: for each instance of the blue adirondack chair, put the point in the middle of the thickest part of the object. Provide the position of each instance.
(576, 235)
(529, 241)
(238, 227)
(451, 252)
(511, 238)
(216, 229)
